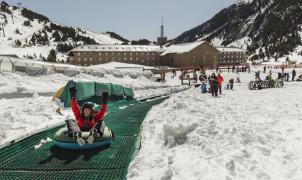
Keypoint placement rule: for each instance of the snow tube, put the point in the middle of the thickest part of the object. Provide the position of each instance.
(64, 141)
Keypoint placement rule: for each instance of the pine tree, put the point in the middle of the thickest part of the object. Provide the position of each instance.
(27, 23)
(56, 36)
(52, 57)
(17, 31)
(18, 43)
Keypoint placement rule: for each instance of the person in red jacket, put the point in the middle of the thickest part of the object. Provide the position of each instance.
(87, 119)
(220, 80)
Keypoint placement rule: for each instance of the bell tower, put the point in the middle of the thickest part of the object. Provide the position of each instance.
(162, 40)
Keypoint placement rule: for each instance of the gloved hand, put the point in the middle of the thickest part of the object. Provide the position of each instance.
(73, 92)
(105, 97)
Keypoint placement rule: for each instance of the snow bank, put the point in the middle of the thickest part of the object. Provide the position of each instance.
(26, 112)
(240, 135)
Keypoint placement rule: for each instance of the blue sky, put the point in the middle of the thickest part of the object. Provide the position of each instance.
(132, 19)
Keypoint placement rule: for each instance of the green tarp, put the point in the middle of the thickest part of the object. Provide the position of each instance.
(92, 91)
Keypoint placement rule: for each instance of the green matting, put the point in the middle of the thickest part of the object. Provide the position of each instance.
(21, 161)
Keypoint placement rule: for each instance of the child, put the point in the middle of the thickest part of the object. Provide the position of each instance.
(203, 87)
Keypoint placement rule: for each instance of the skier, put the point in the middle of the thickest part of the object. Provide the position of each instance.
(220, 80)
(87, 118)
(293, 75)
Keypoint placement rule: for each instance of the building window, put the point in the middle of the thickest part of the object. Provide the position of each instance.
(136, 58)
(130, 53)
(85, 59)
(125, 53)
(130, 58)
(125, 59)
(79, 53)
(100, 53)
(90, 59)
(106, 53)
(100, 59)
(79, 59)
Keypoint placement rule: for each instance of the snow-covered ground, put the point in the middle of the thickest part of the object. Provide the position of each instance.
(26, 105)
(242, 134)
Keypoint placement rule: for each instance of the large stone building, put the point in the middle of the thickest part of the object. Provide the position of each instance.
(232, 56)
(196, 53)
(87, 55)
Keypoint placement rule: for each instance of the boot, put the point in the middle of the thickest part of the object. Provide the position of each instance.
(79, 140)
(91, 137)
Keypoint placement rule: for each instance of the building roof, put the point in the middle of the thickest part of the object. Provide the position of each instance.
(231, 49)
(181, 48)
(118, 48)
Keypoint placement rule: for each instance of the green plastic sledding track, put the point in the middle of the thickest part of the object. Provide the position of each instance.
(21, 161)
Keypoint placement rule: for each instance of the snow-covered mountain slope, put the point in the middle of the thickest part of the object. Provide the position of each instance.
(29, 34)
(268, 28)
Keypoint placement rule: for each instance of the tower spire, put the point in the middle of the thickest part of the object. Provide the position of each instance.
(162, 27)
(162, 40)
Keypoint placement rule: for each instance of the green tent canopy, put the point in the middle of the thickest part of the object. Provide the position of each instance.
(92, 91)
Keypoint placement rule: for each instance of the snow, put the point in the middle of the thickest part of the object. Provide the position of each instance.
(26, 105)
(243, 1)
(230, 49)
(242, 134)
(181, 48)
(118, 48)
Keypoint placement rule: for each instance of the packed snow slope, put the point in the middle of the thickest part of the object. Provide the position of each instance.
(26, 105)
(241, 135)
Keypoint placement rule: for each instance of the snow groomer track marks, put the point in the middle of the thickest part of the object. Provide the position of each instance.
(21, 161)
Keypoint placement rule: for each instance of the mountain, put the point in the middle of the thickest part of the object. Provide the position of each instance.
(267, 28)
(32, 35)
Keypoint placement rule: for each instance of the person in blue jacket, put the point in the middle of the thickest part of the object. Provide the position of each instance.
(203, 87)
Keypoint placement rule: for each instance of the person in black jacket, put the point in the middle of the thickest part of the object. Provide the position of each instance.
(214, 85)
(231, 81)
(293, 75)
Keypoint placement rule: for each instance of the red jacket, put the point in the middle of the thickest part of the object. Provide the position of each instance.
(86, 124)
(219, 79)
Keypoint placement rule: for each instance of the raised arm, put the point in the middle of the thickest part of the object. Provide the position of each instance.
(75, 108)
(101, 114)
(74, 104)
